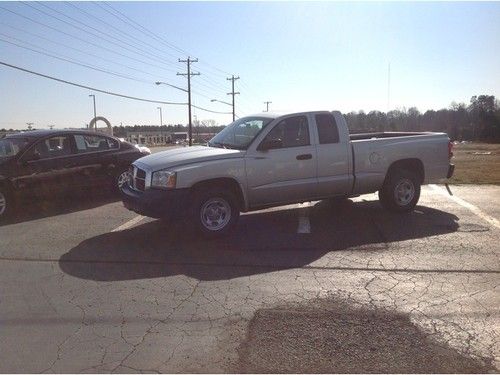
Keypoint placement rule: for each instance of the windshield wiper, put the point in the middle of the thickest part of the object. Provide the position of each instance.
(224, 145)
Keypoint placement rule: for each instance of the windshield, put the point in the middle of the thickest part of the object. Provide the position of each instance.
(11, 146)
(241, 133)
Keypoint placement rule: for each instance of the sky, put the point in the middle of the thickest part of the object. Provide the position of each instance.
(298, 55)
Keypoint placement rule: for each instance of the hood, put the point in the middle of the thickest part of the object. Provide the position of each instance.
(186, 155)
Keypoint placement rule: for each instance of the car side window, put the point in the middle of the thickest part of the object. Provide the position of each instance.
(327, 129)
(92, 143)
(291, 132)
(50, 148)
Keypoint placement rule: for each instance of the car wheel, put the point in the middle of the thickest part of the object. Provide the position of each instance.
(215, 212)
(400, 192)
(6, 204)
(122, 179)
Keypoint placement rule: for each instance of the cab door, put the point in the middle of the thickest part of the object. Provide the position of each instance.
(281, 167)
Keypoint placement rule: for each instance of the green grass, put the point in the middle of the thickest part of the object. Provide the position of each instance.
(471, 168)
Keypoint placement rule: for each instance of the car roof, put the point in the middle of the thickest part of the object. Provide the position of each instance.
(48, 132)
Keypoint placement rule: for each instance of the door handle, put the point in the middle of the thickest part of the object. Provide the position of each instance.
(304, 157)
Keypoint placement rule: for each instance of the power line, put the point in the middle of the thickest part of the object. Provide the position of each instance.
(209, 83)
(208, 110)
(88, 87)
(75, 62)
(118, 31)
(160, 39)
(79, 50)
(86, 41)
(153, 57)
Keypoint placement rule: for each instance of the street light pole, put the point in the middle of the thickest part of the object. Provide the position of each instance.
(161, 119)
(95, 123)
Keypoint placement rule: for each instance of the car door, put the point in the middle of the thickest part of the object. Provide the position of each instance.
(97, 160)
(281, 167)
(44, 169)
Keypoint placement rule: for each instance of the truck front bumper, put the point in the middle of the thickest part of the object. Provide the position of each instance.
(451, 169)
(155, 203)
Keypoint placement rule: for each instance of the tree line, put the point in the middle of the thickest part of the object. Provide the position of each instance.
(477, 121)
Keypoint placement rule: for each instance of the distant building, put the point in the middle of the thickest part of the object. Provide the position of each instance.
(155, 138)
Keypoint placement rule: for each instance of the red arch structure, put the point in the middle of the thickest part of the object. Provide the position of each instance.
(93, 125)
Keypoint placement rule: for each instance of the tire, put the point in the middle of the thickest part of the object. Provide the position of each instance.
(120, 179)
(6, 204)
(214, 212)
(400, 192)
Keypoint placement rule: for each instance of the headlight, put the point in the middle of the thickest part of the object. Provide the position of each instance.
(164, 180)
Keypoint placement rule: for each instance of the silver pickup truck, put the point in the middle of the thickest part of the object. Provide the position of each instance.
(269, 160)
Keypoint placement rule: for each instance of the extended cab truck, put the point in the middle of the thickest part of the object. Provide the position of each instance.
(269, 160)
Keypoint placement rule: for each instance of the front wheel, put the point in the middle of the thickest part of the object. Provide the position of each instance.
(400, 192)
(6, 204)
(121, 180)
(215, 212)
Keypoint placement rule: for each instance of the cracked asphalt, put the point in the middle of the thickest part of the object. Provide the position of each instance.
(364, 291)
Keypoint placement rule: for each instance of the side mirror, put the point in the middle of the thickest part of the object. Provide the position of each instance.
(270, 144)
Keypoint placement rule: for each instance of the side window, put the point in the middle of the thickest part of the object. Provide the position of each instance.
(327, 129)
(91, 143)
(50, 148)
(291, 132)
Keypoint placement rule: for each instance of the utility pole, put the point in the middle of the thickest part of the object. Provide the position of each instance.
(267, 106)
(189, 74)
(232, 79)
(161, 119)
(95, 123)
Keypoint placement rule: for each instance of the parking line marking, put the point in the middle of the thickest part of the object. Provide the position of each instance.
(467, 205)
(304, 223)
(129, 223)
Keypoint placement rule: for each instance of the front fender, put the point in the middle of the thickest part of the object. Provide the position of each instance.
(192, 174)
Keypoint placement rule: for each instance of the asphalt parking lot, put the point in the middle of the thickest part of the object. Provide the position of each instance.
(87, 286)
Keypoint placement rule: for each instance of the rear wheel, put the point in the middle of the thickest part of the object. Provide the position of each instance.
(215, 212)
(400, 192)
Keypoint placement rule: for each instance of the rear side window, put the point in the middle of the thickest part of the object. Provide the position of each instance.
(327, 129)
(91, 143)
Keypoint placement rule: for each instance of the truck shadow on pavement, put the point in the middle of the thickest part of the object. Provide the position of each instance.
(262, 242)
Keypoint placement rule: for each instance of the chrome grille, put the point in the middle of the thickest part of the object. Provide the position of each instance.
(138, 181)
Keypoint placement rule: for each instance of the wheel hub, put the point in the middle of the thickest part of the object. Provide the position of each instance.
(123, 179)
(404, 192)
(215, 214)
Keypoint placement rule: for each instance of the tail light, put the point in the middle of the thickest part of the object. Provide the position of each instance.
(450, 149)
